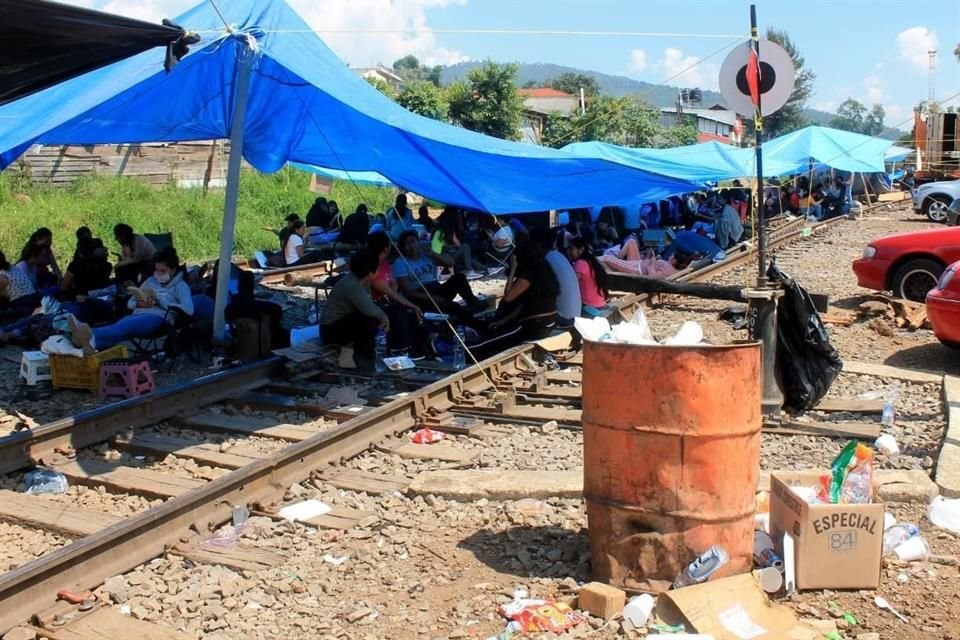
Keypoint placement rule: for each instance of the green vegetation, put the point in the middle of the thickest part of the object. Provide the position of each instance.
(193, 217)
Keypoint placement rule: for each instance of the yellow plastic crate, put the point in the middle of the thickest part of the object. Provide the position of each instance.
(82, 373)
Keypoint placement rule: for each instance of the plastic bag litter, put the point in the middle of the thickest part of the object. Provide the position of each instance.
(807, 362)
(304, 510)
(427, 436)
(636, 331)
(945, 513)
(41, 480)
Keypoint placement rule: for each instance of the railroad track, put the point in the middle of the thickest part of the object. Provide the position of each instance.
(515, 387)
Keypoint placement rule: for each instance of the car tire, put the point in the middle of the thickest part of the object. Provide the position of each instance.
(950, 344)
(935, 207)
(912, 278)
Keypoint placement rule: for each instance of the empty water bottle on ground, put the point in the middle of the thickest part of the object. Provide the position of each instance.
(897, 535)
(380, 351)
(459, 353)
(702, 568)
(44, 481)
(889, 405)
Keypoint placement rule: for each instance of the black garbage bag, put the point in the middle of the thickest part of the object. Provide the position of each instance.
(807, 361)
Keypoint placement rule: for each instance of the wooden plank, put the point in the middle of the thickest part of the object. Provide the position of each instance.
(253, 425)
(363, 481)
(884, 371)
(116, 477)
(156, 444)
(109, 624)
(565, 376)
(827, 429)
(554, 391)
(528, 412)
(240, 559)
(851, 405)
(438, 451)
(38, 511)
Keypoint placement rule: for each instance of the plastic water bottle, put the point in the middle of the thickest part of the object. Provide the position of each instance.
(889, 405)
(897, 535)
(459, 354)
(702, 568)
(380, 351)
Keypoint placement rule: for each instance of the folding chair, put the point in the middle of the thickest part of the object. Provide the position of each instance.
(160, 240)
(177, 335)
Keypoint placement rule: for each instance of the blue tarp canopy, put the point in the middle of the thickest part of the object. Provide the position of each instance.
(357, 177)
(706, 162)
(897, 153)
(306, 106)
(832, 148)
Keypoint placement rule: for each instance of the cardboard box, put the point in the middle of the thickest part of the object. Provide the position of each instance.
(838, 546)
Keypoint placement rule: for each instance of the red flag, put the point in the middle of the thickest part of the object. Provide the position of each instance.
(753, 77)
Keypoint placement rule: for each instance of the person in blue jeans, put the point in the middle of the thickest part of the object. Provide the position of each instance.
(158, 300)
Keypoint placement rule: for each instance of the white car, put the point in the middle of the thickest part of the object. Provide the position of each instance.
(934, 199)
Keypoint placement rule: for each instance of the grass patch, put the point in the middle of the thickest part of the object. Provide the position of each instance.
(195, 218)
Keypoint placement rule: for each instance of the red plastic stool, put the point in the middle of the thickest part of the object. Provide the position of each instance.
(125, 379)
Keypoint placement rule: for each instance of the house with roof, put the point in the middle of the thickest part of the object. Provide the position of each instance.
(714, 124)
(381, 73)
(540, 102)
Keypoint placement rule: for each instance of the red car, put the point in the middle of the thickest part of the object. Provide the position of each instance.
(909, 264)
(943, 307)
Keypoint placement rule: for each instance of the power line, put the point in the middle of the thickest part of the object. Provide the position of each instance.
(506, 32)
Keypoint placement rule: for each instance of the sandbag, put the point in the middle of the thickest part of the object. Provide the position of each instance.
(807, 362)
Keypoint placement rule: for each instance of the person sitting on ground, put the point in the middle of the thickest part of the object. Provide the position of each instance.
(632, 261)
(81, 233)
(606, 235)
(354, 230)
(89, 270)
(446, 241)
(424, 219)
(294, 253)
(416, 275)
(135, 257)
(163, 298)
(333, 209)
(404, 315)
(727, 227)
(591, 278)
(568, 300)
(318, 217)
(810, 203)
(44, 272)
(399, 218)
(16, 288)
(284, 233)
(528, 309)
(350, 317)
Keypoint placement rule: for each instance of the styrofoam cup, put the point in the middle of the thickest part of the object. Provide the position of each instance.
(771, 580)
(887, 444)
(913, 549)
(638, 610)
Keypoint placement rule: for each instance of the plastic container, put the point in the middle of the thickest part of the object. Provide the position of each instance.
(945, 513)
(897, 535)
(380, 351)
(889, 416)
(82, 373)
(459, 353)
(671, 458)
(763, 551)
(706, 564)
(638, 610)
(915, 548)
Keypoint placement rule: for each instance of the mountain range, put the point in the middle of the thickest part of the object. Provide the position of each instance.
(657, 94)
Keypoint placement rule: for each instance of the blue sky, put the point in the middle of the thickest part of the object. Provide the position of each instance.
(871, 50)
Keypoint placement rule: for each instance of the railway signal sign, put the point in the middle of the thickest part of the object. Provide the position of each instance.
(777, 78)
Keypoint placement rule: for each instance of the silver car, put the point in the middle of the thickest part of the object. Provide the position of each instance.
(936, 199)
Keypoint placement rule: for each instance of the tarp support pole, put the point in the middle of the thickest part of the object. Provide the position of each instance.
(245, 56)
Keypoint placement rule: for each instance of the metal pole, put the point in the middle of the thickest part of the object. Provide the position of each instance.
(763, 300)
(242, 88)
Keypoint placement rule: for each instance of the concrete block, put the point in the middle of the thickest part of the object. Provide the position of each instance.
(497, 484)
(906, 486)
(948, 464)
(601, 600)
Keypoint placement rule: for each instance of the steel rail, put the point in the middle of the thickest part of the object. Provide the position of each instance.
(87, 562)
(26, 448)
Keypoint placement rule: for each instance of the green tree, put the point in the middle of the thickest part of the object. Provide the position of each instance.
(854, 116)
(626, 121)
(410, 69)
(571, 83)
(425, 98)
(789, 117)
(382, 87)
(487, 101)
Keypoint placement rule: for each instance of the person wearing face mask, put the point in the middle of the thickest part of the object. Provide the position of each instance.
(160, 299)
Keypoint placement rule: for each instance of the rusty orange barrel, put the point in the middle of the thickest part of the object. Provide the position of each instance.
(671, 446)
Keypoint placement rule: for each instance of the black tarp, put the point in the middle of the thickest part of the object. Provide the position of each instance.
(44, 43)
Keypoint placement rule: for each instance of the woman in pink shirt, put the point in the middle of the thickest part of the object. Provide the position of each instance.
(590, 275)
(405, 317)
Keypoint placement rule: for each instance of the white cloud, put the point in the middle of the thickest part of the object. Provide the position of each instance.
(874, 88)
(638, 60)
(914, 43)
(340, 23)
(677, 68)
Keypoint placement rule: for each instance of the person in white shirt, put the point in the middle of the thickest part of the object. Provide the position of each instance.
(399, 218)
(293, 250)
